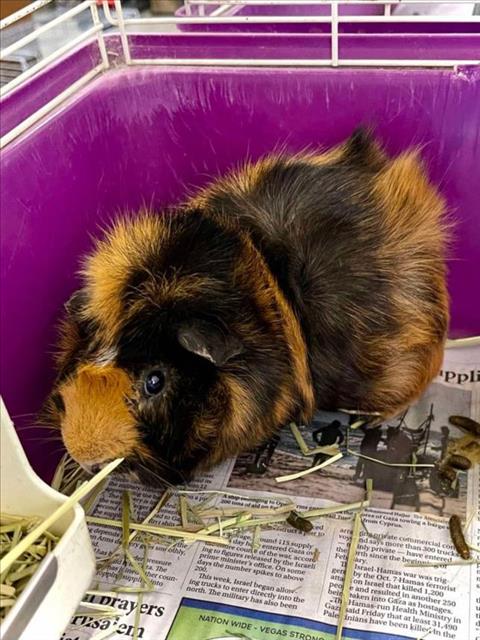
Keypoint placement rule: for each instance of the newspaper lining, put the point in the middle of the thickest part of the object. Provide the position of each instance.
(292, 585)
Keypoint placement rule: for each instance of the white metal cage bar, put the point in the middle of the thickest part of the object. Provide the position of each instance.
(58, 53)
(123, 34)
(333, 20)
(255, 3)
(50, 106)
(279, 62)
(96, 31)
(209, 20)
(23, 13)
(46, 27)
(334, 34)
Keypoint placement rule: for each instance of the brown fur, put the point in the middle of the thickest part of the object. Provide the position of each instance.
(94, 399)
(318, 280)
(415, 206)
(107, 270)
(279, 313)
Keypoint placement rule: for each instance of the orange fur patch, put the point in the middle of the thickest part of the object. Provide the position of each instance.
(68, 342)
(241, 423)
(279, 313)
(108, 269)
(415, 244)
(404, 380)
(127, 246)
(162, 290)
(97, 425)
(411, 205)
(243, 179)
(283, 406)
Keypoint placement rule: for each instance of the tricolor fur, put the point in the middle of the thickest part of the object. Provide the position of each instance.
(294, 283)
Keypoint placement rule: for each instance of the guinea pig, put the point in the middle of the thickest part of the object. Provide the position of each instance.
(295, 283)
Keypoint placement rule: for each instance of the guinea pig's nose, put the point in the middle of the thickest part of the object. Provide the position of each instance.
(95, 468)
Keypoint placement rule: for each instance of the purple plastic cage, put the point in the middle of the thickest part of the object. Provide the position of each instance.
(139, 135)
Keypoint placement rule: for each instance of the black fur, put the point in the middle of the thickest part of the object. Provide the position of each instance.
(316, 227)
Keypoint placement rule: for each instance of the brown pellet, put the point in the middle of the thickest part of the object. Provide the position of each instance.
(301, 524)
(447, 473)
(465, 423)
(458, 539)
(459, 462)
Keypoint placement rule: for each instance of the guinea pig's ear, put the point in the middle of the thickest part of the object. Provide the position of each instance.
(209, 341)
(75, 303)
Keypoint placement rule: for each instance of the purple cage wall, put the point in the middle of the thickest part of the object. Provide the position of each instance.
(139, 136)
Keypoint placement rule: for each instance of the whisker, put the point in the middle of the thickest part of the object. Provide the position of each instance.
(50, 427)
(45, 439)
(148, 456)
(23, 415)
(157, 476)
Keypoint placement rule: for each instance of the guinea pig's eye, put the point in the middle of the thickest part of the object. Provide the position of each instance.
(154, 383)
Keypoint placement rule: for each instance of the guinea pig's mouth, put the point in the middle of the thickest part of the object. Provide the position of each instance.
(155, 473)
(150, 474)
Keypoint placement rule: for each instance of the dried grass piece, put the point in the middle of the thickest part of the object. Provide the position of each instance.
(350, 568)
(302, 445)
(183, 505)
(14, 579)
(259, 522)
(357, 424)
(330, 450)
(91, 499)
(390, 464)
(141, 571)
(357, 523)
(125, 520)
(103, 563)
(24, 544)
(359, 412)
(169, 532)
(6, 603)
(99, 608)
(225, 524)
(196, 514)
(375, 536)
(136, 622)
(306, 472)
(310, 515)
(67, 475)
(235, 511)
(7, 590)
(256, 541)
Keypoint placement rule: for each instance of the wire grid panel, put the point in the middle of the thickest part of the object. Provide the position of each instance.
(219, 17)
(95, 31)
